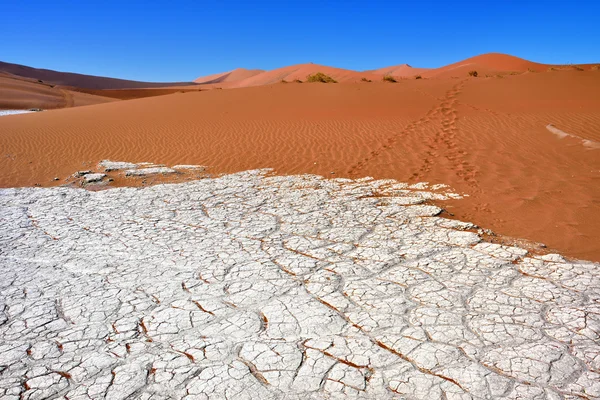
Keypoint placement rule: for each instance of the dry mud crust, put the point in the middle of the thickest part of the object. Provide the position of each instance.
(248, 286)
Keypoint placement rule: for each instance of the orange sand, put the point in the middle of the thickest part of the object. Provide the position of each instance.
(18, 93)
(78, 80)
(231, 76)
(486, 137)
(400, 71)
(289, 74)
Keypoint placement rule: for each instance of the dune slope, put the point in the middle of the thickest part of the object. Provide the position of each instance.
(490, 63)
(301, 72)
(401, 71)
(231, 76)
(79, 80)
(19, 93)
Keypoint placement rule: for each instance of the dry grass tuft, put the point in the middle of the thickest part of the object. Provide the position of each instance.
(320, 77)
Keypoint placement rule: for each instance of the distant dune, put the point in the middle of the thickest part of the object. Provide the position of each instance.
(231, 76)
(290, 73)
(401, 71)
(491, 63)
(484, 64)
(23, 93)
(28, 87)
(79, 80)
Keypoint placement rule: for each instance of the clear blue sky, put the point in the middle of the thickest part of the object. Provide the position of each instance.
(181, 40)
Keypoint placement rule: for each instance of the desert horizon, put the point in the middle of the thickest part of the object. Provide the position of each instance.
(27, 87)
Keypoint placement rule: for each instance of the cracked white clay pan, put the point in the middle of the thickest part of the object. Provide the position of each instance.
(250, 286)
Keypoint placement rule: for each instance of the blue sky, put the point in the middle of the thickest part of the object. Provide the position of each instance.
(181, 40)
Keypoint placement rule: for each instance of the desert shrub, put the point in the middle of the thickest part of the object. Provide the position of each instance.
(577, 68)
(473, 73)
(365, 80)
(320, 77)
(418, 77)
(551, 69)
(283, 81)
(40, 81)
(530, 70)
(389, 78)
(297, 81)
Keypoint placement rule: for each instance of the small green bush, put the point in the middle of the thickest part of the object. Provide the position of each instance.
(473, 74)
(389, 78)
(320, 77)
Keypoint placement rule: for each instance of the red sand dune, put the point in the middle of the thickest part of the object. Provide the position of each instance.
(24, 87)
(400, 71)
(301, 72)
(22, 93)
(231, 76)
(79, 80)
(486, 137)
(491, 64)
(39, 96)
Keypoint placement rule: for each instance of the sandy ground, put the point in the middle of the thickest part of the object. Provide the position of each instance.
(293, 287)
(487, 137)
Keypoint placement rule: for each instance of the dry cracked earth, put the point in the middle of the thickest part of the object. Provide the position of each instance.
(251, 286)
